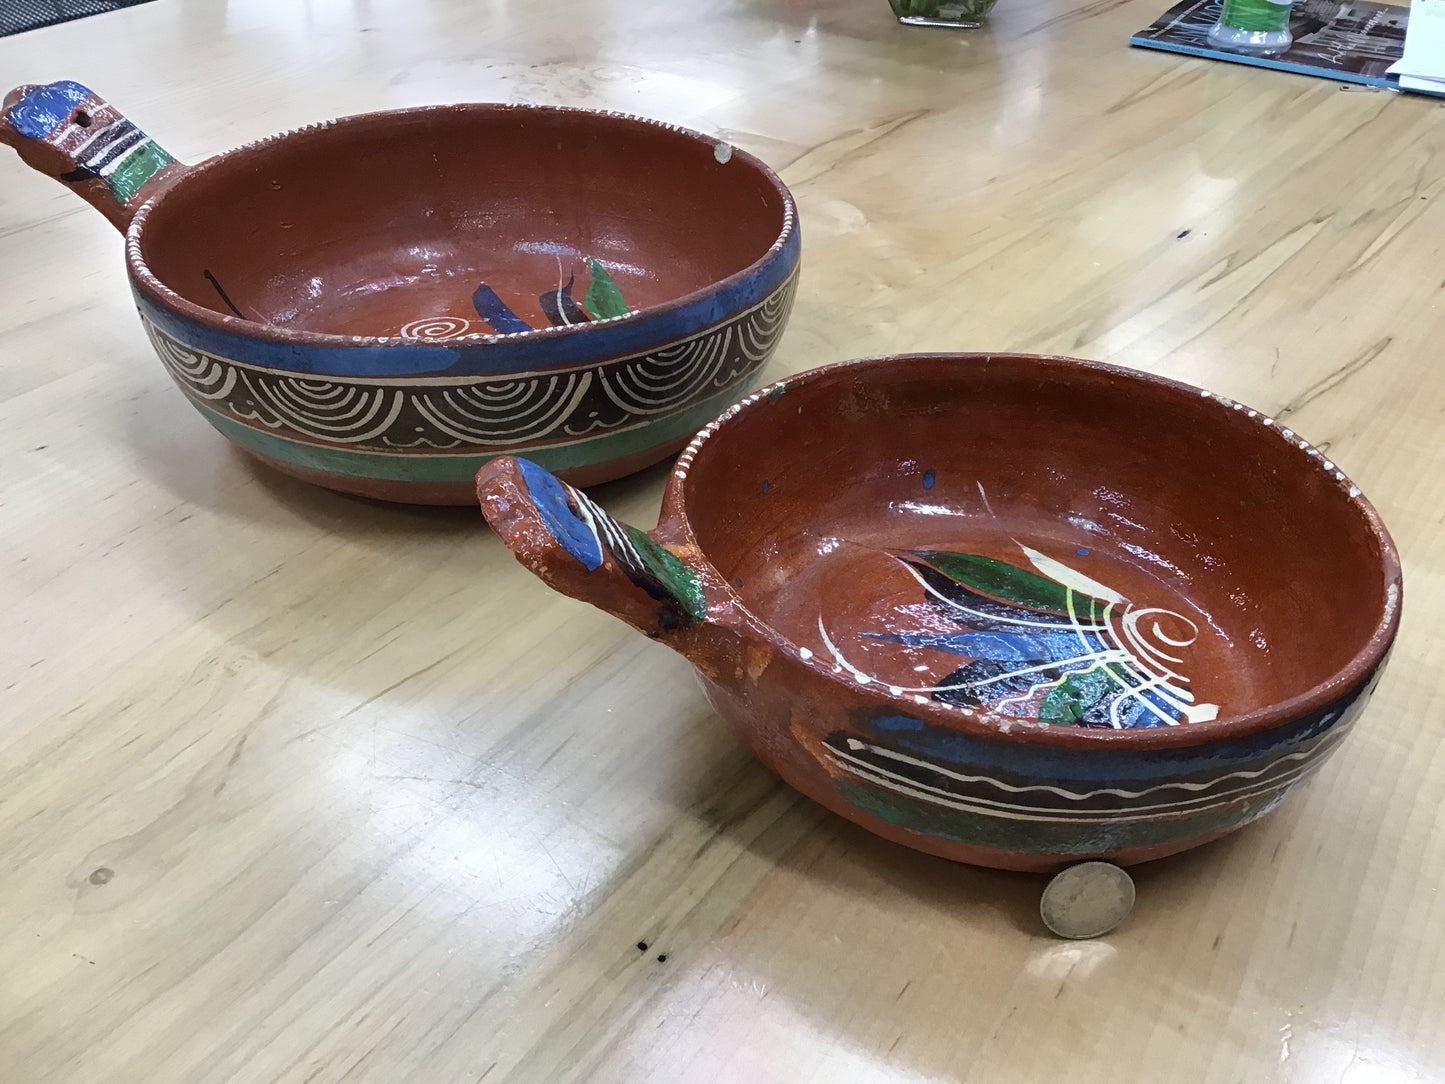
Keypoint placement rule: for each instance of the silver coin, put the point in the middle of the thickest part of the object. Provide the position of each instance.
(1087, 900)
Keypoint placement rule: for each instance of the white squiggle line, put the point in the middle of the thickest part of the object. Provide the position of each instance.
(1106, 656)
(997, 807)
(1114, 791)
(1095, 656)
(1025, 697)
(910, 789)
(256, 417)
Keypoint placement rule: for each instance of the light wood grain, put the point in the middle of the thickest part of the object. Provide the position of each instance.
(299, 787)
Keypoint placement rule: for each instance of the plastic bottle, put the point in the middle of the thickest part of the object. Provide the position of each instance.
(1256, 27)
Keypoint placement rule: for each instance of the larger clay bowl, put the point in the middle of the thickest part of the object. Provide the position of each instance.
(382, 303)
(1017, 611)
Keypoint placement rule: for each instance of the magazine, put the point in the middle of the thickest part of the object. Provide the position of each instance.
(1353, 41)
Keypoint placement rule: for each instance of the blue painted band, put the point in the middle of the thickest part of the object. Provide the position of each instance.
(962, 751)
(555, 508)
(628, 335)
(46, 108)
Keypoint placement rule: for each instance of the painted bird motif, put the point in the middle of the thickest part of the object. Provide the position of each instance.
(1051, 643)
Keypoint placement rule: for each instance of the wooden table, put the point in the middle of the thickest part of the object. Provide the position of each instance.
(300, 787)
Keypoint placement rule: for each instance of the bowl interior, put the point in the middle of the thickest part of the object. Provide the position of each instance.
(1039, 537)
(461, 220)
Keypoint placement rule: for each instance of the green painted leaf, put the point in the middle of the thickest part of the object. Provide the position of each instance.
(1007, 582)
(1067, 701)
(603, 298)
(674, 576)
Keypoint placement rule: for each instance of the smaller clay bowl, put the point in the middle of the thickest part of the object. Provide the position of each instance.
(382, 303)
(1017, 611)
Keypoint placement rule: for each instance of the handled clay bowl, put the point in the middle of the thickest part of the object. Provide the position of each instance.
(382, 303)
(1017, 611)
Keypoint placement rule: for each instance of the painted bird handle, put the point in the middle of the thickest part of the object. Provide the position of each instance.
(68, 132)
(569, 542)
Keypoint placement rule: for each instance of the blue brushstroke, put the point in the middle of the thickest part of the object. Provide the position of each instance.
(46, 108)
(555, 508)
(928, 479)
(494, 311)
(1031, 648)
(1138, 715)
(899, 722)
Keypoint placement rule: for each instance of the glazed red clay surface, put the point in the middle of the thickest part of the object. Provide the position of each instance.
(1179, 503)
(375, 223)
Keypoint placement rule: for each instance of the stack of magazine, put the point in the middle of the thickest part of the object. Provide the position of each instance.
(1354, 41)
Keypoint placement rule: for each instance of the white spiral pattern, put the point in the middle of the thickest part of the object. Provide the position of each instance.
(436, 327)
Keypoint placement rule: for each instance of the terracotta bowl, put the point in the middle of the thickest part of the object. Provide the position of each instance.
(1017, 611)
(382, 303)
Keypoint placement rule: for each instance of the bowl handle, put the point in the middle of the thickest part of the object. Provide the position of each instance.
(575, 547)
(68, 132)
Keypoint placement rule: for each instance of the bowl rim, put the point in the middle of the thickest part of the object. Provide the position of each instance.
(163, 296)
(987, 724)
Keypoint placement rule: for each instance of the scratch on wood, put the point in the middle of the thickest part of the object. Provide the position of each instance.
(1335, 378)
(826, 157)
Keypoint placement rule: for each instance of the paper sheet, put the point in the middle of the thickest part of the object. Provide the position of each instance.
(1422, 67)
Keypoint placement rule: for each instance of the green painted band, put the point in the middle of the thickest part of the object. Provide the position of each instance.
(413, 467)
(1255, 15)
(139, 166)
